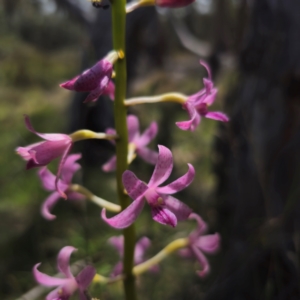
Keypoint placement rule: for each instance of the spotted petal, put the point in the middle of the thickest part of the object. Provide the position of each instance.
(134, 187)
(178, 208)
(98, 91)
(163, 167)
(127, 216)
(163, 216)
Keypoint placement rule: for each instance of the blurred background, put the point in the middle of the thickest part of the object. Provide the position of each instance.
(247, 184)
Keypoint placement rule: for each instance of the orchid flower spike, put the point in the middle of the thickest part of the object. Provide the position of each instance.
(96, 80)
(200, 244)
(139, 252)
(68, 285)
(42, 153)
(165, 209)
(197, 104)
(137, 143)
(48, 180)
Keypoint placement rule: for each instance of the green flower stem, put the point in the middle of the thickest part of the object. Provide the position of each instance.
(95, 199)
(145, 266)
(118, 26)
(169, 97)
(164, 253)
(86, 134)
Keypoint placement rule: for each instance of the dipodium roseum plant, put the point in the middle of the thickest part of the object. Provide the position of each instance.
(132, 192)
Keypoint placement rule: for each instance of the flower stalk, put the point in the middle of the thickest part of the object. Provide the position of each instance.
(165, 252)
(118, 28)
(85, 134)
(168, 97)
(95, 199)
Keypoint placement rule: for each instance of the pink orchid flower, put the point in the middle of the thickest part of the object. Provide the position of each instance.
(137, 142)
(197, 104)
(42, 153)
(200, 244)
(139, 252)
(48, 180)
(66, 286)
(96, 80)
(165, 209)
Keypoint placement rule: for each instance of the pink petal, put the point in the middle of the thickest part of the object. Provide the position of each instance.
(179, 184)
(210, 98)
(110, 90)
(163, 167)
(179, 209)
(48, 205)
(163, 216)
(98, 91)
(197, 97)
(46, 136)
(148, 155)
(63, 260)
(24, 152)
(110, 165)
(201, 226)
(118, 243)
(127, 216)
(91, 78)
(186, 253)
(193, 122)
(216, 115)
(85, 82)
(70, 167)
(47, 280)
(202, 261)
(140, 248)
(208, 85)
(133, 127)
(85, 277)
(117, 270)
(206, 66)
(112, 132)
(74, 196)
(64, 291)
(47, 178)
(69, 85)
(134, 187)
(208, 243)
(60, 166)
(45, 152)
(148, 135)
